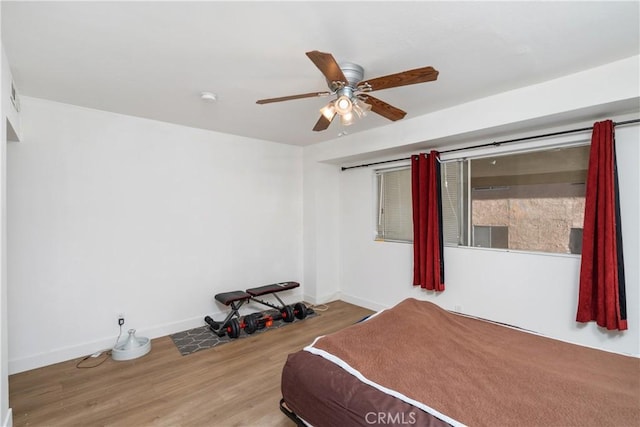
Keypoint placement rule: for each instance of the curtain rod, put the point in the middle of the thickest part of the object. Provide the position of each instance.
(495, 144)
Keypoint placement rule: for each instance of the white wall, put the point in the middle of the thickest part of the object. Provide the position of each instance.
(112, 214)
(321, 240)
(10, 127)
(497, 285)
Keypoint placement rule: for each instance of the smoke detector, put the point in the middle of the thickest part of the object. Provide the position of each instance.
(208, 96)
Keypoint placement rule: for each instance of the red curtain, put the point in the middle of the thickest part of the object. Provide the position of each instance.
(602, 288)
(428, 264)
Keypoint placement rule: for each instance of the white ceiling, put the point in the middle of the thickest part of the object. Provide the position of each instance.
(153, 59)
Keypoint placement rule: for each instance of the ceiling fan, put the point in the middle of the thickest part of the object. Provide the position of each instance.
(346, 82)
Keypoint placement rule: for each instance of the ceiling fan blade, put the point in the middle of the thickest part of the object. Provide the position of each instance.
(382, 108)
(288, 98)
(323, 123)
(410, 77)
(328, 65)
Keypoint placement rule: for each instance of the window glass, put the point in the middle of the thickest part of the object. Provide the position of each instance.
(491, 236)
(527, 201)
(394, 207)
(575, 241)
(453, 215)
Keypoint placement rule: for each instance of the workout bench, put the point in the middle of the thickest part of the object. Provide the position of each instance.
(234, 323)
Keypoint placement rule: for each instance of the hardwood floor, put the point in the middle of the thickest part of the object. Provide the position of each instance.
(235, 384)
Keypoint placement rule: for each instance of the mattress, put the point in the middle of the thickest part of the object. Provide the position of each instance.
(321, 393)
(417, 364)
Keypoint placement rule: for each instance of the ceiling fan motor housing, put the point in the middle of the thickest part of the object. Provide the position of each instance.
(353, 72)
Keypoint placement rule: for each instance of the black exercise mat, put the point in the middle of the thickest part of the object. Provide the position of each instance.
(202, 338)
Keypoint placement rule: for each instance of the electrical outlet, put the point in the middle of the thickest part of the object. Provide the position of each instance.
(120, 319)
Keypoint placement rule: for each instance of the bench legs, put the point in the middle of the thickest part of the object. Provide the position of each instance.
(289, 313)
(230, 325)
(233, 324)
(268, 304)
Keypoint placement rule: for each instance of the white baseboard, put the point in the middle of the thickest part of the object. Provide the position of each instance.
(76, 351)
(8, 420)
(362, 302)
(80, 350)
(323, 299)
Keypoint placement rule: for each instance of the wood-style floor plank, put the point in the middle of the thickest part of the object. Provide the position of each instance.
(235, 384)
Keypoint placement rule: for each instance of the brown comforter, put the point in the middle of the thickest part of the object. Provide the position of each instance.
(481, 373)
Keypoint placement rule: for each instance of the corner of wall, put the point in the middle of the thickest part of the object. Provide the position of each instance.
(10, 103)
(321, 231)
(5, 411)
(8, 420)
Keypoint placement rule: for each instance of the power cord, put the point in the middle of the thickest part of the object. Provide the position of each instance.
(120, 323)
(321, 307)
(97, 354)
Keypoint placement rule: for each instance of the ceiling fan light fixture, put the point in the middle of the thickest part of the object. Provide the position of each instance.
(343, 105)
(361, 108)
(328, 111)
(346, 119)
(364, 105)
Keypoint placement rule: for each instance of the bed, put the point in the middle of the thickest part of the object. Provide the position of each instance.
(418, 364)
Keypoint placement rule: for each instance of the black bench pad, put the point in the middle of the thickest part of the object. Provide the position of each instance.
(272, 289)
(228, 297)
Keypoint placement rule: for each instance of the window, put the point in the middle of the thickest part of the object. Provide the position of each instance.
(454, 217)
(491, 236)
(394, 207)
(530, 201)
(575, 241)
